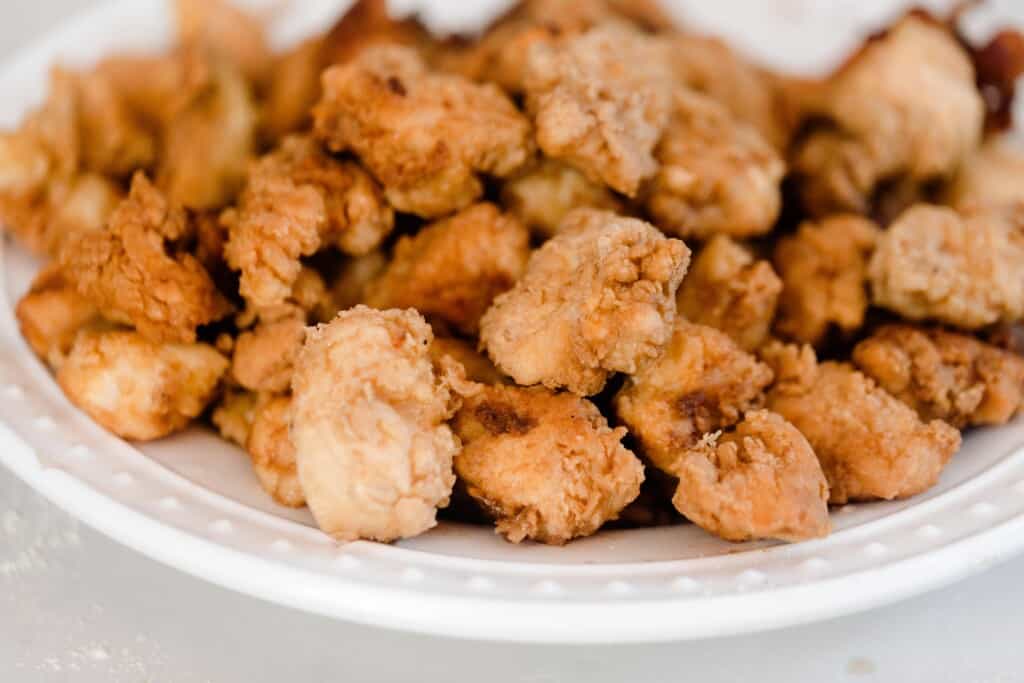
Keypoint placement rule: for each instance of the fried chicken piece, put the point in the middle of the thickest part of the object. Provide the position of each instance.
(703, 382)
(368, 424)
(595, 113)
(208, 143)
(158, 87)
(760, 481)
(751, 94)
(234, 413)
(545, 465)
(597, 298)
(455, 267)
(136, 388)
(906, 106)
(824, 274)
(477, 367)
(726, 288)
(944, 375)
(544, 194)
(264, 357)
(989, 177)
(113, 141)
(966, 270)
(426, 136)
(501, 54)
(298, 200)
(223, 29)
(349, 287)
(294, 86)
(50, 315)
(272, 452)
(870, 445)
(130, 275)
(716, 174)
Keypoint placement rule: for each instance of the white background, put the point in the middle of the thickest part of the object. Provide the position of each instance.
(77, 607)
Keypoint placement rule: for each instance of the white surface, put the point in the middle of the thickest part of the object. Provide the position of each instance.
(75, 607)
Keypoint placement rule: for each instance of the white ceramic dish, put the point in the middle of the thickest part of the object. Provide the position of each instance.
(193, 503)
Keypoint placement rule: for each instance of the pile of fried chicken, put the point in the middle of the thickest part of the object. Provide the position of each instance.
(588, 266)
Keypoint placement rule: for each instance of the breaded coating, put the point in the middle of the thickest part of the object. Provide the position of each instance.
(760, 481)
(264, 357)
(716, 174)
(425, 135)
(824, 274)
(944, 375)
(368, 425)
(455, 267)
(600, 102)
(870, 445)
(726, 288)
(966, 270)
(131, 273)
(298, 200)
(272, 453)
(222, 28)
(545, 465)
(703, 382)
(500, 55)
(597, 298)
(989, 177)
(50, 315)
(139, 389)
(906, 106)
(753, 95)
(477, 367)
(234, 413)
(544, 194)
(112, 139)
(349, 287)
(209, 142)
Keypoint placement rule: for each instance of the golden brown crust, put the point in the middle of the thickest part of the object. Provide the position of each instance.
(545, 464)
(297, 201)
(272, 453)
(368, 425)
(476, 366)
(425, 135)
(233, 415)
(50, 315)
(132, 275)
(595, 115)
(988, 177)
(726, 288)
(944, 375)
(455, 267)
(716, 174)
(964, 270)
(761, 480)
(222, 29)
(702, 382)
(870, 445)
(136, 388)
(597, 298)
(824, 273)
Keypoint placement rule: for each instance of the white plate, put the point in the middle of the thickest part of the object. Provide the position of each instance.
(193, 503)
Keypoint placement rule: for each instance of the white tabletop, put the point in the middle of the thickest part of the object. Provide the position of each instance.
(75, 606)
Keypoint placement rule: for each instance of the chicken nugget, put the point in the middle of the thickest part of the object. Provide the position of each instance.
(50, 315)
(272, 453)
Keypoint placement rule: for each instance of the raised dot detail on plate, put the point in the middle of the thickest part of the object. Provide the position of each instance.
(123, 479)
(169, 503)
(480, 583)
(547, 587)
(750, 577)
(412, 575)
(14, 392)
(221, 526)
(79, 451)
(814, 564)
(281, 545)
(983, 509)
(929, 531)
(44, 423)
(619, 587)
(684, 584)
(348, 562)
(875, 549)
